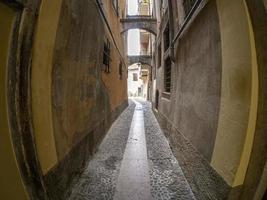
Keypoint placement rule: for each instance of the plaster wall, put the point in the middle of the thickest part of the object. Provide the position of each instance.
(255, 170)
(214, 95)
(239, 93)
(78, 96)
(84, 95)
(194, 101)
(70, 93)
(74, 101)
(116, 87)
(265, 4)
(11, 186)
(41, 83)
(134, 85)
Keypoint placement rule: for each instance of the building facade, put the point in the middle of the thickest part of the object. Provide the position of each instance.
(208, 90)
(65, 63)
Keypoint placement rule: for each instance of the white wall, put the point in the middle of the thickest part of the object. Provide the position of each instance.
(134, 85)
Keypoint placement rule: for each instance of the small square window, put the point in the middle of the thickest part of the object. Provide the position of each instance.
(135, 78)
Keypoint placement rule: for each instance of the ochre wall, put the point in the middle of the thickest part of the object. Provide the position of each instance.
(11, 186)
(239, 94)
(80, 100)
(41, 83)
(258, 15)
(117, 88)
(69, 97)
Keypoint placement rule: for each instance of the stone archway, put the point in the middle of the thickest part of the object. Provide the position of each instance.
(139, 22)
(143, 59)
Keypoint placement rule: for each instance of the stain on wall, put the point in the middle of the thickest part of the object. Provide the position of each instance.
(78, 94)
(81, 100)
(74, 101)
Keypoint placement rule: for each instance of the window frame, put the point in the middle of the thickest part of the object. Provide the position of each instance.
(167, 75)
(107, 56)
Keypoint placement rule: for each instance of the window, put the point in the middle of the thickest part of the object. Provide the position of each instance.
(115, 4)
(135, 77)
(106, 56)
(159, 56)
(150, 73)
(120, 70)
(167, 75)
(166, 35)
(157, 99)
(188, 5)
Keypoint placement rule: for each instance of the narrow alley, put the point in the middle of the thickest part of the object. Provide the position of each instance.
(133, 100)
(127, 166)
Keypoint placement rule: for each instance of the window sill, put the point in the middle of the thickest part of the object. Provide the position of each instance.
(166, 95)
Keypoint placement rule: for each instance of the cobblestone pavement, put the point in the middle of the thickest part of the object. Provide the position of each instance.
(99, 179)
(98, 182)
(166, 177)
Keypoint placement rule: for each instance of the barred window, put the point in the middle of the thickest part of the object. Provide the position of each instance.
(106, 56)
(167, 75)
(120, 70)
(166, 36)
(159, 56)
(188, 5)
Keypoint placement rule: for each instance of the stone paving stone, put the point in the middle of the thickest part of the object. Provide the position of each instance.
(166, 176)
(99, 179)
(98, 182)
